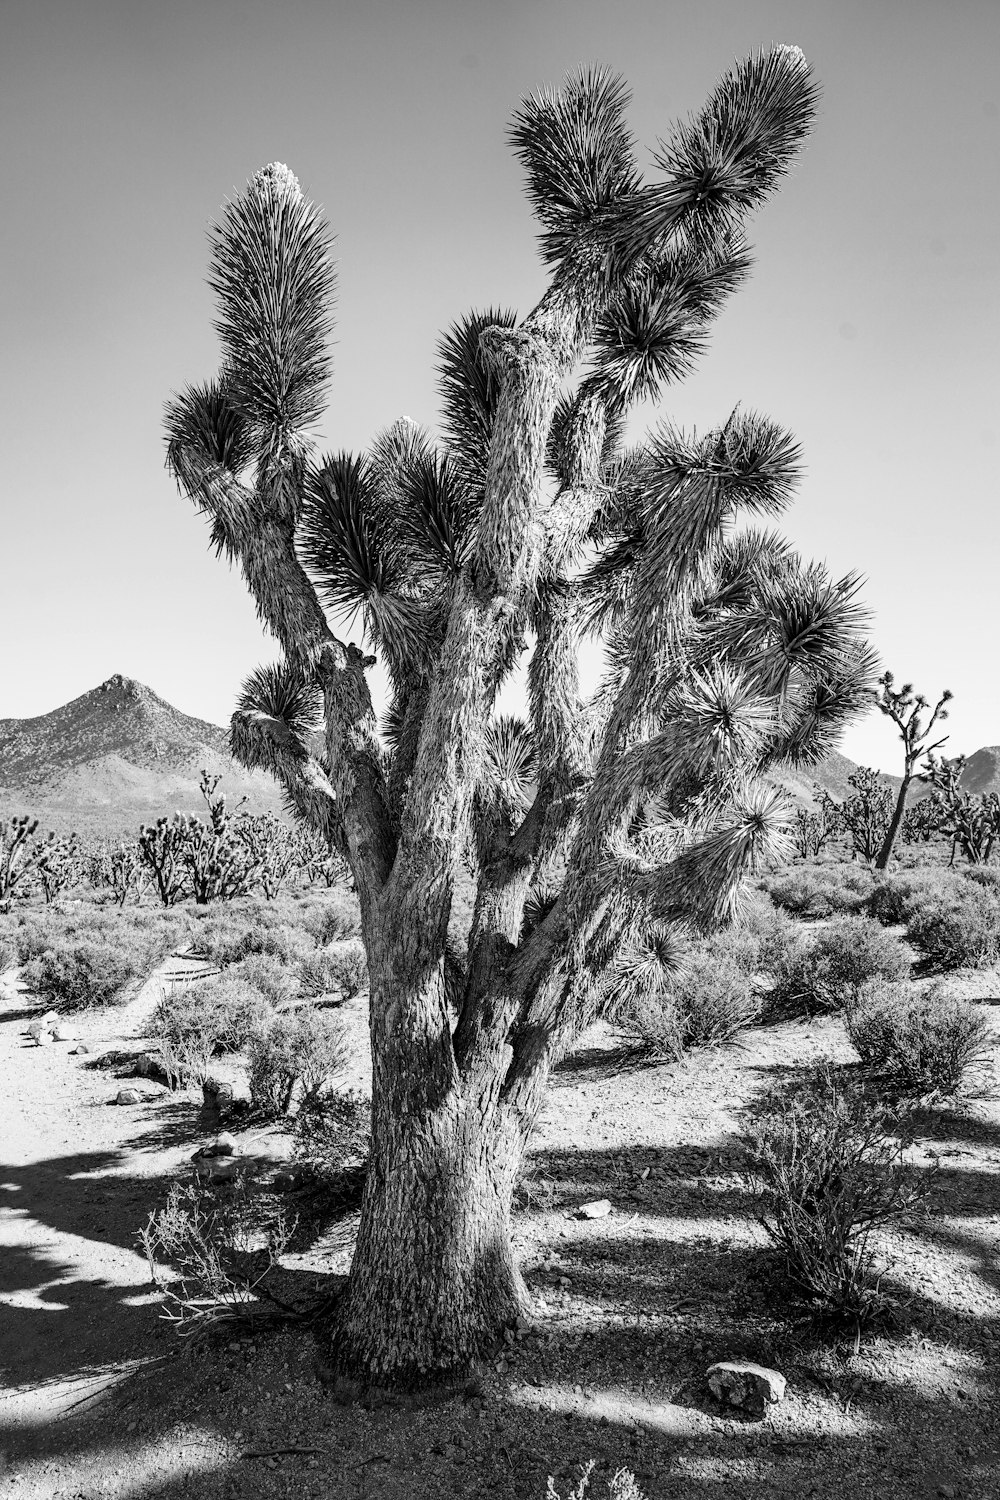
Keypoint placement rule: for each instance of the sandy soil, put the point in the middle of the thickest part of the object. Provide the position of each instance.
(101, 1398)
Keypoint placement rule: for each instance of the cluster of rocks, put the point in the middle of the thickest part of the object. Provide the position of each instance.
(51, 1028)
(223, 1160)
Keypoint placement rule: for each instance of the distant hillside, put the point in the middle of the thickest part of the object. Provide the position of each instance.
(116, 757)
(119, 755)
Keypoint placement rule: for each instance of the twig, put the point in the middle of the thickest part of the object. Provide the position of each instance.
(274, 1452)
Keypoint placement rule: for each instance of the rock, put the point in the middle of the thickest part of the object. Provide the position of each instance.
(81, 1050)
(129, 1096)
(36, 1028)
(64, 1032)
(599, 1209)
(44, 1039)
(740, 1383)
(217, 1168)
(223, 1145)
(51, 1018)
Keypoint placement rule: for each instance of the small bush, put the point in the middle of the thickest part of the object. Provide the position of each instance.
(708, 1003)
(307, 1049)
(8, 955)
(820, 890)
(827, 1173)
(89, 959)
(221, 1252)
(895, 898)
(758, 939)
(985, 875)
(332, 1132)
(265, 972)
(825, 970)
(331, 922)
(958, 929)
(224, 1013)
(923, 1042)
(229, 938)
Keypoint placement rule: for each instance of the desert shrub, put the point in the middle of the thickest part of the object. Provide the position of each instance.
(278, 983)
(960, 927)
(709, 1002)
(895, 898)
(221, 1250)
(224, 1014)
(348, 968)
(827, 1172)
(304, 1050)
(331, 921)
(825, 970)
(8, 954)
(922, 1041)
(332, 1132)
(92, 959)
(228, 938)
(758, 938)
(985, 875)
(820, 890)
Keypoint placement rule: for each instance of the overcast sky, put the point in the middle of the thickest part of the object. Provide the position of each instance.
(870, 326)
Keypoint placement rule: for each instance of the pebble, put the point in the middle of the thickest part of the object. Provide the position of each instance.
(742, 1383)
(598, 1209)
(128, 1096)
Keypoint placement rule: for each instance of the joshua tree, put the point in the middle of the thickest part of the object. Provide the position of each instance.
(592, 826)
(906, 709)
(865, 814)
(971, 822)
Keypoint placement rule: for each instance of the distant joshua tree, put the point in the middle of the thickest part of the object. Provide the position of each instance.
(595, 826)
(906, 709)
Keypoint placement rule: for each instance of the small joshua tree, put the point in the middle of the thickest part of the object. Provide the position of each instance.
(161, 848)
(971, 822)
(864, 815)
(219, 862)
(18, 854)
(527, 525)
(59, 864)
(907, 710)
(813, 827)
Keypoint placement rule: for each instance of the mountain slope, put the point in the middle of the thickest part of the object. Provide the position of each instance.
(115, 757)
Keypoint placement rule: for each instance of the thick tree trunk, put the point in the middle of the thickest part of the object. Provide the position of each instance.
(885, 853)
(433, 1283)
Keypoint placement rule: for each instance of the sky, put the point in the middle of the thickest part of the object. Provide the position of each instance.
(869, 327)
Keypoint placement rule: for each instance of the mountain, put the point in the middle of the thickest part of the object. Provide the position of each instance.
(115, 758)
(982, 770)
(120, 756)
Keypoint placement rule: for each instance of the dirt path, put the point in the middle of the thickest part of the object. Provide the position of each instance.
(101, 1399)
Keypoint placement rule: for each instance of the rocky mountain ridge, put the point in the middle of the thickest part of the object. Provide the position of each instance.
(119, 755)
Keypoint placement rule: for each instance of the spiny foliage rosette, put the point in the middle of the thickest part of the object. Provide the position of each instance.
(595, 824)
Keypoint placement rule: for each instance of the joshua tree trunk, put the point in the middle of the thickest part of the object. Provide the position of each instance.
(885, 853)
(433, 1281)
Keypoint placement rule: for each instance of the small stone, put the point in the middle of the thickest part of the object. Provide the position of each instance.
(129, 1096)
(81, 1050)
(598, 1209)
(742, 1383)
(223, 1145)
(947, 1491)
(37, 1027)
(51, 1018)
(44, 1039)
(216, 1168)
(64, 1032)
